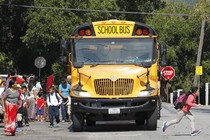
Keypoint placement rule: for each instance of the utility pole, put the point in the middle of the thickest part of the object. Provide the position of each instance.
(198, 61)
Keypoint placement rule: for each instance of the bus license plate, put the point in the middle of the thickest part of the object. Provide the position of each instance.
(114, 110)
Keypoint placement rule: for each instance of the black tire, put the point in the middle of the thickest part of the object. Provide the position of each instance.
(152, 120)
(90, 122)
(78, 122)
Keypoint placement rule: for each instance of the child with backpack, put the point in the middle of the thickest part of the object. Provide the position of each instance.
(53, 101)
(185, 111)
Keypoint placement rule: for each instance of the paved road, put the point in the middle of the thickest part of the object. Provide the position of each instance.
(120, 130)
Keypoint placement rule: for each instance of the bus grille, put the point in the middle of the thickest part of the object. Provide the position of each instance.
(113, 88)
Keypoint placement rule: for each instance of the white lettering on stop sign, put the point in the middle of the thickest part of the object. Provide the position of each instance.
(168, 73)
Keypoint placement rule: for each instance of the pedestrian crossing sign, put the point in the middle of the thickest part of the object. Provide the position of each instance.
(199, 70)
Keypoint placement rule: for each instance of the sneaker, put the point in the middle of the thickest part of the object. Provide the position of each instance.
(50, 126)
(196, 132)
(63, 121)
(164, 126)
(57, 125)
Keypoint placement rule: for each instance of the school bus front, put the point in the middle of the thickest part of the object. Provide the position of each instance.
(114, 68)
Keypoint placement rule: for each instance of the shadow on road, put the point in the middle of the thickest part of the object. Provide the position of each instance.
(112, 126)
(187, 135)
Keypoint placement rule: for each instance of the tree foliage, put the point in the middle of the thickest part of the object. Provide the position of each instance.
(29, 32)
(12, 26)
(181, 36)
(47, 26)
(139, 6)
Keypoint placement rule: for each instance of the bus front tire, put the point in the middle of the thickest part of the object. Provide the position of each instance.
(152, 120)
(78, 122)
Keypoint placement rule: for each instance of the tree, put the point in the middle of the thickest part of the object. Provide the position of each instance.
(47, 26)
(202, 12)
(181, 35)
(5, 63)
(12, 26)
(139, 6)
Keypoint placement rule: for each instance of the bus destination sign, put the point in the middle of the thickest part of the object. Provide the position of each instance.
(113, 30)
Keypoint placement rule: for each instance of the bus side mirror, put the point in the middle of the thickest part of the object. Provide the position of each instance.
(163, 52)
(78, 65)
(146, 64)
(64, 45)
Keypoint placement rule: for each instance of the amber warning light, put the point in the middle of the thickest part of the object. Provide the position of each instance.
(85, 32)
(142, 31)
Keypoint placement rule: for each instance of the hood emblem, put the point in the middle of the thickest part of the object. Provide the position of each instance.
(114, 78)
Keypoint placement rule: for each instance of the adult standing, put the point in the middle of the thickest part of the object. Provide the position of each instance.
(38, 86)
(25, 80)
(32, 99)
(64, 92)
(68, 104)
(10, 106)
(69, 78)
(50, 82)
(12, 74)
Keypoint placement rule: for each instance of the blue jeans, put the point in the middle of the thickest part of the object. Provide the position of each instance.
(63, 110)
(54, 112)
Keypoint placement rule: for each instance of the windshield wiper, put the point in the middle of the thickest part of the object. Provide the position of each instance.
(138, 64)
(93, 65)
(102, 62)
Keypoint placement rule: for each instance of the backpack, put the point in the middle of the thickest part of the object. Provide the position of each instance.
(180, 101)
(56, 95)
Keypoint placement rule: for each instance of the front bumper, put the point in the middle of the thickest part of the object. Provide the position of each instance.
(113, 106)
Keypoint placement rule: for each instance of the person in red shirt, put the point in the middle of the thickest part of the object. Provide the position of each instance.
(50, 82)
(40, 108)
(185, 111)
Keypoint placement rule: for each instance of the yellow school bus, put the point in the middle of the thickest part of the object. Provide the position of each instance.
(115, 68)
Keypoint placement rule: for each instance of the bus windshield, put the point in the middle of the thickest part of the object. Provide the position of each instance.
(114, 50)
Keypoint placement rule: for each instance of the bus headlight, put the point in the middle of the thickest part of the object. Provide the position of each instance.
(81, 93)
(145, 93)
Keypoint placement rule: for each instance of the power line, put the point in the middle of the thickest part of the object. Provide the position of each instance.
(89, 10)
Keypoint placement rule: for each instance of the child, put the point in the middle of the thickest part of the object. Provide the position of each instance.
(22, 111)
(185, 111)
(40, 108)
(53, 101)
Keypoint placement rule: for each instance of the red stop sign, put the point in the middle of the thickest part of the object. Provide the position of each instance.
(168, 72)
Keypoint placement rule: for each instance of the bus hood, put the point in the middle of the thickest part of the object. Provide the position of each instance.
(108, 71)
(112, 81)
